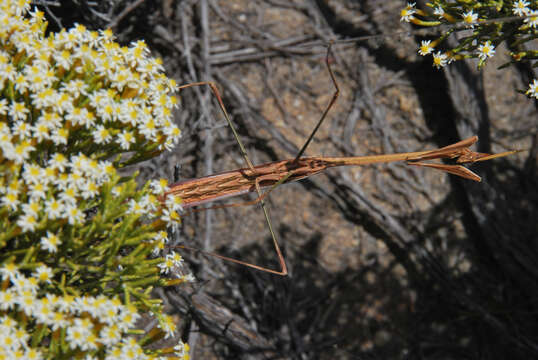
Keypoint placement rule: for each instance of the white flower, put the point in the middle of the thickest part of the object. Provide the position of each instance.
(32, 173)
(149, 202)
(41, 131)
(168, 325)
(101, 135)
(182, 350)
(7, 300)
(73, 214)
(9, 72)
(533, 89)
(21, 83)
(20, 152)
(51, 119)
(439, 11)
(532, 20)
(69, 195)
(407, 13)
(170, 216)
(174, 203)
(425, 48)
(174, 132)
(75, 87)
(128, 317)
(22, 128)
(44, 274)
(439, 60)
(27, 222)
(44, 98)
(37, 191)
(9, 271)
(161, 236)
(37, 77)
(31, 208)
(166, 265)
(148, 128)
(24, 284)
(63, 58)
(11, 201)
(64, 102)
(486, 50)
(43, 312)
(175, 258)
(110, 335)
(520, 8)
(167, 145)
(159, 186)
(136, 208)
(470, 17)
(78, 333)
(58, 161)
(59, 136)
(189, 277)
(50, 242)
(89, 190)
(125, 139)
(77, 116)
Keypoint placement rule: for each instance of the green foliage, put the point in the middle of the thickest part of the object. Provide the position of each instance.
(79, 243)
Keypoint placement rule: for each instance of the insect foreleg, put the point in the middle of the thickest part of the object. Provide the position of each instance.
(326, 111)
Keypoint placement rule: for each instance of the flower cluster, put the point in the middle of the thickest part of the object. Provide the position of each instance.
(78, 240)
(482, 37)
(78, 316)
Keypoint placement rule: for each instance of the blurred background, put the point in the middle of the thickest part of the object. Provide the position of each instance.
(386, 261)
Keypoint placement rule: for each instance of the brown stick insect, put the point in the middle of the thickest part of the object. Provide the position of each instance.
(270, 175)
